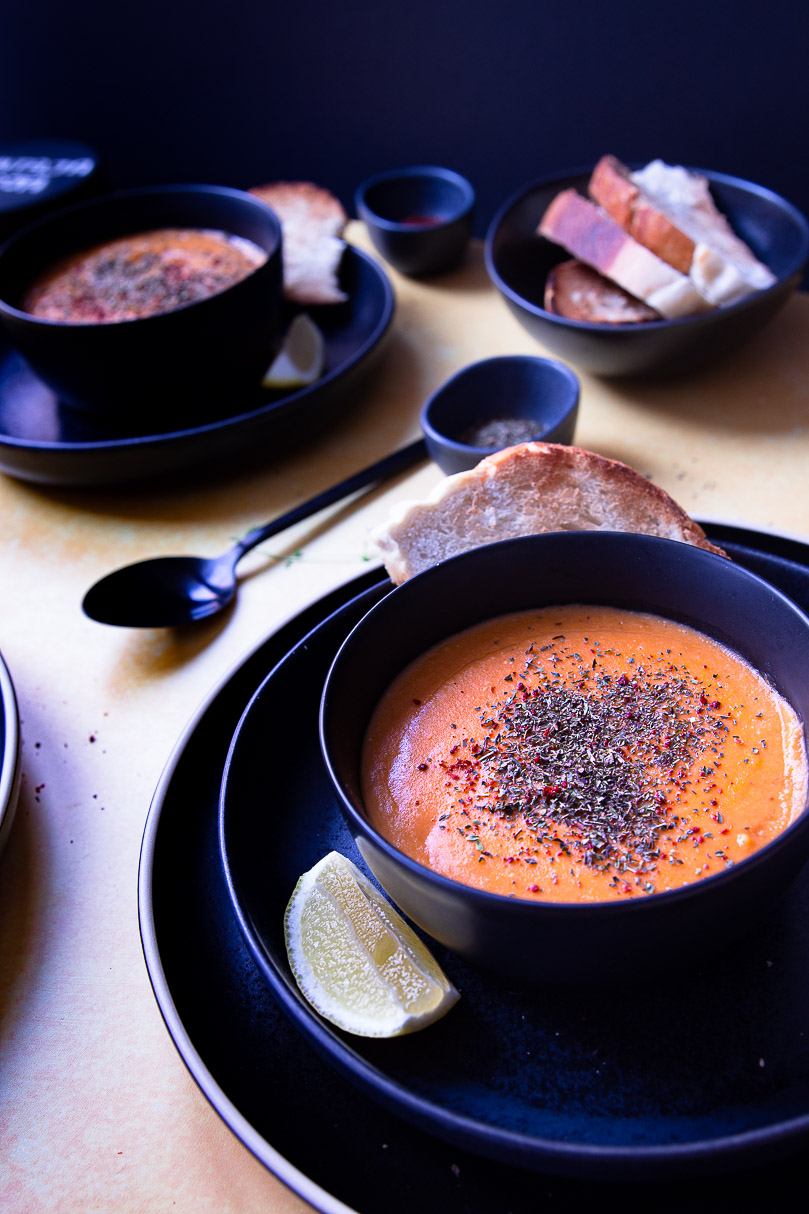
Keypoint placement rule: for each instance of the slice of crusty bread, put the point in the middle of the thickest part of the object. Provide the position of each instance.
(671, 211)
(312, 221)
(578, 292)
(525, 490)
(592, 236)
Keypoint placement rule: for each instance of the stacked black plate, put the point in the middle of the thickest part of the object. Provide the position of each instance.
(517, 1095)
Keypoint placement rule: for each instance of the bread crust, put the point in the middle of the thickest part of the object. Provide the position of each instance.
(612, 187)
(527, 490)
(579, 227)
(578, 292)
(312, 221)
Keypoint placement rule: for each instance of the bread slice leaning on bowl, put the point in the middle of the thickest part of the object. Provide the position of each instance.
(312, 220)
(526, 490)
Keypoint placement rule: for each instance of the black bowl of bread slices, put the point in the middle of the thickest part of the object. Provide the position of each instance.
(645, 270)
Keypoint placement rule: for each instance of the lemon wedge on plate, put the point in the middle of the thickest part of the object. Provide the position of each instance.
(356, 960)
(302, 356)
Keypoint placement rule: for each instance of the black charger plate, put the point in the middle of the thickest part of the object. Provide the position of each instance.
(703, 1074)
(46, 441)
(10, 768)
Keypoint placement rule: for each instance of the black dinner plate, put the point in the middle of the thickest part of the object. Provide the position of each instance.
(9, 753)
(703, 1073)
(47, 441)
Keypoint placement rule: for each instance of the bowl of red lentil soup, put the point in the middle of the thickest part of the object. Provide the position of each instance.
(578, 756)
(161, 303)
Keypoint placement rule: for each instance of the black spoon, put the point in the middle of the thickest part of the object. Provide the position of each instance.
(171, 590)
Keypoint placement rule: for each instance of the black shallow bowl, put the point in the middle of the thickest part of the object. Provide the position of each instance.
(179, 365)
(558, 942)
(392, 204)
(539, 391)
(518, 261)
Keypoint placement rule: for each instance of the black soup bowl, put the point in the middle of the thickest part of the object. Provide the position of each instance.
(178, 366)
(518, 262)
(548, 942)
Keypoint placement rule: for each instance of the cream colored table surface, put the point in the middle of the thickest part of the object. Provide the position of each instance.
(97, 1109)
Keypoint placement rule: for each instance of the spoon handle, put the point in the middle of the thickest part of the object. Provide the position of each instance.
(383, 468)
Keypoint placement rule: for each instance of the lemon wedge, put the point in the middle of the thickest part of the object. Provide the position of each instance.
(302, 356)
(355, 959)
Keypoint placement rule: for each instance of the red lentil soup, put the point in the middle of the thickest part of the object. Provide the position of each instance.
(141, 275)
(581, 754)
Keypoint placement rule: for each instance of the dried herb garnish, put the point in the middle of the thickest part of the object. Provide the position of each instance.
(595, 765)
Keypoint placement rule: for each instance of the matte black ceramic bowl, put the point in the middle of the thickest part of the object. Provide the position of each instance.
(569, 942)
(518, 262)
(175, 365)
(419, 218)
(513, 398)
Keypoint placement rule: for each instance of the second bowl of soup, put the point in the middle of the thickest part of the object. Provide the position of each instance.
(157, 303)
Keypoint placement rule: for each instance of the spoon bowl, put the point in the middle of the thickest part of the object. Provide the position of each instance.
(164, 592)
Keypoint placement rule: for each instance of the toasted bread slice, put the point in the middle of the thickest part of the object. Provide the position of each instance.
(578, 292)
(526, 490)
(670, 211)
(592, 236)
(312, 221)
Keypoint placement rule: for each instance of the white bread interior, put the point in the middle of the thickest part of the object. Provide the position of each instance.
(526, 490)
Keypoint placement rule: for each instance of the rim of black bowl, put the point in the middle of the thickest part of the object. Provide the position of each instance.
(800, 260)
(416, 170)
(91, 204)
(441, 436)
(613, 908)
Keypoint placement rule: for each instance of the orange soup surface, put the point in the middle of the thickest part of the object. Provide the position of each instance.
(142, 275)
(582, 753)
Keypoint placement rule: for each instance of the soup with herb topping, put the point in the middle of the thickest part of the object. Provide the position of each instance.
(142, 275)
(582, 753)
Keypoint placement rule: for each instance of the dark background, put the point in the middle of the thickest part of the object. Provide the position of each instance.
(504, 91)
